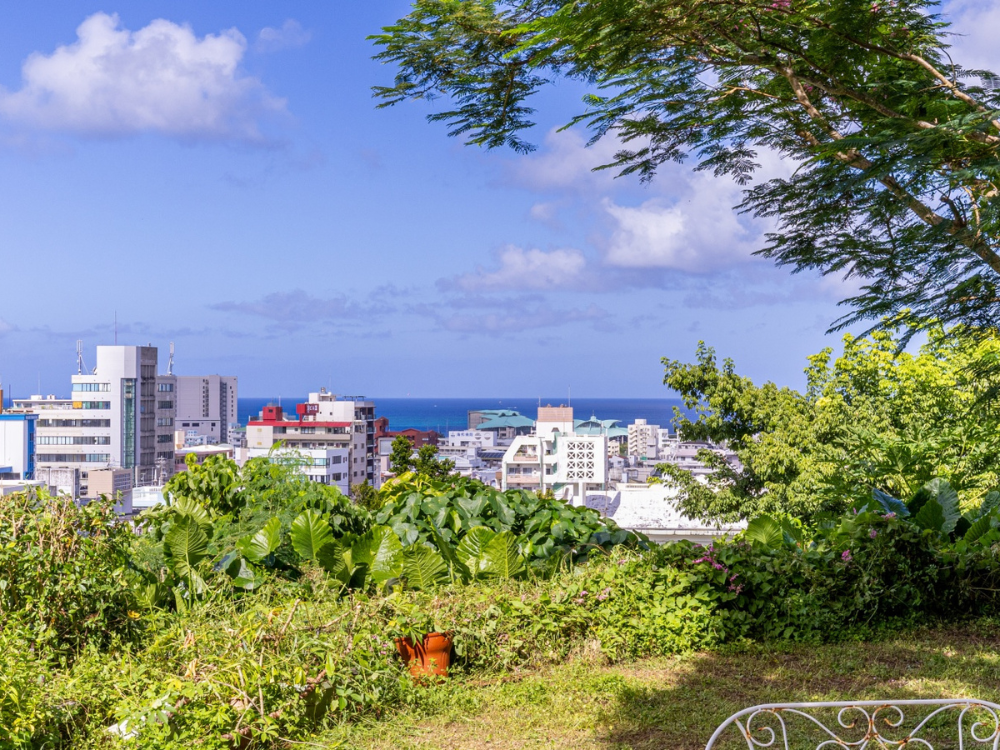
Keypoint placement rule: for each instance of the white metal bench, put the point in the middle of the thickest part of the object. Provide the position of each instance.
(867, 725)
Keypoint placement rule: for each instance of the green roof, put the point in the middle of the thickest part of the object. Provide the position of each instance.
(515, 420)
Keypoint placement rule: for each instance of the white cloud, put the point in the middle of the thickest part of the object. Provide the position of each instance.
(5, 327)
(698, 234)
(515, 318)
(528, 269)
(291, 34)
(161, 78)
(566, 162)
(975, 24)
(300, 307)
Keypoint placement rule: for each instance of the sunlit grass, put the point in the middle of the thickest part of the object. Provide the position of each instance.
(677, 702)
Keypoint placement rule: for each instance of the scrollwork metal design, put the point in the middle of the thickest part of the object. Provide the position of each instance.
(866, 725)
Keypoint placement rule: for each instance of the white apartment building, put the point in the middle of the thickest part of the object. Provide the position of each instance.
(206, 405)
(110, 421)
(557, 459)
(329, 466)
(17, 446)
(469, 439)
(643, 439)
(325, 421)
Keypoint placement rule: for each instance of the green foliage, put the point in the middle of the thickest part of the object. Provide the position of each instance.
(401, 457)
(895, 144)
(876, 417)
(63, 572)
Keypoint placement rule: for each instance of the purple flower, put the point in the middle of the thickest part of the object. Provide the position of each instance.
(873, 533)
(889, 515)
(845, 555)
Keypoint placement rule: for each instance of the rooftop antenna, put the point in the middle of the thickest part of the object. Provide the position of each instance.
(569, 396)
(80, 367)
(170, 362)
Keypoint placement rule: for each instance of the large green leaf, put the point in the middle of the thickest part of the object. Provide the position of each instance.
(423, 568)
(310, 533)
(334, 559)
(186, 544)
(931, 516)
(502, 559)
(258, 546)
(946, 496)
(889, 503)
(764, 531)
(381, 550)
(472, 549)
(979, 527)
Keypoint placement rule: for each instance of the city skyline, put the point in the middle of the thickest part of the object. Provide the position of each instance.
(256, 209)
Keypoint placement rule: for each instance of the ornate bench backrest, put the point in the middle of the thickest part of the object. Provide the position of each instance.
(868, 725)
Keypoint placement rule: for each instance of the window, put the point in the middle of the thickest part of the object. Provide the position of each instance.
(73, 440)
(164, 404)
(165, 454)
(165, 387)
(91, 387)
(91, 404)
(164, 438)
(74, 422)
(165, 422)
(69, 458)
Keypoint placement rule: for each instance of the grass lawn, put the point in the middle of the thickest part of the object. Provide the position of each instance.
(676, 703)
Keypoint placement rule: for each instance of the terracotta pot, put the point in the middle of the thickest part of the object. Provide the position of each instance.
(431, 656)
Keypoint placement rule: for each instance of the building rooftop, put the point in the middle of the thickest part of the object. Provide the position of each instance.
(513, 420)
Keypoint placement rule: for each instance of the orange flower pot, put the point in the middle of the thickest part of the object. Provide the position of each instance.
(431, 656)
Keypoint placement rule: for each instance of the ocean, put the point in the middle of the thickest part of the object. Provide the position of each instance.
(443, 414)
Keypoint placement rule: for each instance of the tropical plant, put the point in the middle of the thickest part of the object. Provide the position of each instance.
(875, 416)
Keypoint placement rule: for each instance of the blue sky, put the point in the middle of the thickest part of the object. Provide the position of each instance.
(223, 180)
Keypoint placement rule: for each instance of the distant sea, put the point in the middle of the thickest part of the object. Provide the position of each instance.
(443, 414)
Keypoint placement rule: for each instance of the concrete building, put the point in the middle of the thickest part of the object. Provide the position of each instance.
(325, 421)
(207, 406)
(110, 421)
(643, 440)
(17, 446)
(505, 423)
(556, 458)
(115, 484)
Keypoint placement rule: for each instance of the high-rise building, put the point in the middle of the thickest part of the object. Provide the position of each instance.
(111, 419)
(643, 439)
(206, 406)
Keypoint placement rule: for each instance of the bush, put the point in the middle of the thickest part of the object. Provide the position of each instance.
(63, 572)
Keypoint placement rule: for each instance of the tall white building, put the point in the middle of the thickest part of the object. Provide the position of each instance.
(556, 458)
(111, 420)
(206, 406)
(643, 439)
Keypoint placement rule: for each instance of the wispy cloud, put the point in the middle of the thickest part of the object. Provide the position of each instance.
(526, 269)
(290, 35)
(510, 316)
(300, 307)
(162, 78)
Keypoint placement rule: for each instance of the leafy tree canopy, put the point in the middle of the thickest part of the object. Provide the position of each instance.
(874, 417)
(896, 144)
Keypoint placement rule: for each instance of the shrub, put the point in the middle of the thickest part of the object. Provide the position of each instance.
(63, 571)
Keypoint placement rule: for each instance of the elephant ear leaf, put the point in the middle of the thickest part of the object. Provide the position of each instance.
(187, 545)
(472, 549)
(931, 516)
(310, 533)
(257, 547)
(889, 503)
(946, 496)
(423, 568)
(331, 556)
(381, 550)
(502, 559)
(764, 531)
(978, 528)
